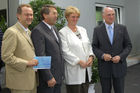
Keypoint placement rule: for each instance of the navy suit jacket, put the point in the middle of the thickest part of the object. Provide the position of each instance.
(121, 46)
(1, 35)
(46, 45)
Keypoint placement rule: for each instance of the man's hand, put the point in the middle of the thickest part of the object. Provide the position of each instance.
(51, 82)
(82, 64)
(107, 57)
(116, 59)
(32, 62)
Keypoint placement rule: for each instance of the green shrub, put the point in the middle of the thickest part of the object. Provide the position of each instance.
(3, 25)
(95, 73)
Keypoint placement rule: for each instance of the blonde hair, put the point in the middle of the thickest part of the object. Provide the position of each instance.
(70, 10)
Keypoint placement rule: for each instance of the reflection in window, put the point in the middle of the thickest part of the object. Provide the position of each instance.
(3, 14)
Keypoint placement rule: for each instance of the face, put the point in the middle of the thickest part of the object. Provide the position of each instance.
(51, 18)
(26, 17)
(109, 15)
(73, 19)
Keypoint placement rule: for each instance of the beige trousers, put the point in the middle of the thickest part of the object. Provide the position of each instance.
(34, 90)
(24, 91)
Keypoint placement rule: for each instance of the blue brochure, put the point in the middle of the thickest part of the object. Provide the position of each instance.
(44, 62)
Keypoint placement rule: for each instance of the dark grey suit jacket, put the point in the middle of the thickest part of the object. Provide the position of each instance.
(46, 45)
(121, 46)
(1, 35)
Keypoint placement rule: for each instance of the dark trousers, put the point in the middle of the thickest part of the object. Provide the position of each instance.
(46, 89)
(79, 88)
(82, 88)
(117, 83)
(5, 90)
(73, 88)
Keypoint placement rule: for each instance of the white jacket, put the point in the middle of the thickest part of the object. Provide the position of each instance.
(75, 50)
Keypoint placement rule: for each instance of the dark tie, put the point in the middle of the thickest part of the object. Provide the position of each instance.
(110, 34)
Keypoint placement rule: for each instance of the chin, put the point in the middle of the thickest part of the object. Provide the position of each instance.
(29, 23)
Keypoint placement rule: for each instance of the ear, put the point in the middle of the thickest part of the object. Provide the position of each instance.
(103, 16)
(45, 16)
(18, 16)
(66, 17)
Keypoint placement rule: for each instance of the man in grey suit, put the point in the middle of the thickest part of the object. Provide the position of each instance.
(47, 43)
(111, 44)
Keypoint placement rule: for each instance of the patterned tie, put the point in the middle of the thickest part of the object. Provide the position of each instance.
(110, 34)
(54, 34)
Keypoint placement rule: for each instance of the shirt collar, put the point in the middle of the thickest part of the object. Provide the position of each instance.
(112, 25)
(47, 24)
(25, 29)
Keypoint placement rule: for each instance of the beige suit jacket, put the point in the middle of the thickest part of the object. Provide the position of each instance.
(17, 50)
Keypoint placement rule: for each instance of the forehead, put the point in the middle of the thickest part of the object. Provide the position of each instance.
(109, 11)
(52, 9)
(26, 9)
(73, 14)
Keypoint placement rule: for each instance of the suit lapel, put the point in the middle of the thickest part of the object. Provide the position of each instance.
(24, 34)
(103, 28)
(115, 32)
(46, 29)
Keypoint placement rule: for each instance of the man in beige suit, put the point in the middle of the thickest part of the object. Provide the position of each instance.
(18, 53)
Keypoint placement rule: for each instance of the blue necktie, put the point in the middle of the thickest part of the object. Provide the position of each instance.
(110, 34)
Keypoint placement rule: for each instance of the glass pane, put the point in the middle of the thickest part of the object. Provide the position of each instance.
(3, 14)
(99, 18)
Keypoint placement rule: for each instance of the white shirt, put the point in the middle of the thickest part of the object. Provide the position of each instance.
(25, 29)
(112, 25)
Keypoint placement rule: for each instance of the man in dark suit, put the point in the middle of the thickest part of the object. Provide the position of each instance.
(47, 43)
(111, 44)
(1, 35)
(1, 63)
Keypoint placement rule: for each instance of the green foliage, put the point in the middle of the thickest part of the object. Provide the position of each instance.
(37, 5)
(3, 25)
(95, 73)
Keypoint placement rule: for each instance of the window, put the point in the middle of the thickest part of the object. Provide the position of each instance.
(3, 14)
(99, 8)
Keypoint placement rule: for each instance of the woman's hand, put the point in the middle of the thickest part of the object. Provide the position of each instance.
(90, 61)
(83, 64)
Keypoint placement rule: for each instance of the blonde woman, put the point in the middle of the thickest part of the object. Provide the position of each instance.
(77, 52)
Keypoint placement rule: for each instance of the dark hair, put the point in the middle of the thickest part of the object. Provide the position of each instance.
(46, 10)
(19, 9)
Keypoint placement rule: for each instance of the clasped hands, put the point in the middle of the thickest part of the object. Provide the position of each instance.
(108, 57)
(84, 64)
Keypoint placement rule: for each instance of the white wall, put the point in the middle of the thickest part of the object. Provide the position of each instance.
(133, 23)
(13, 4)
(24, 1)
